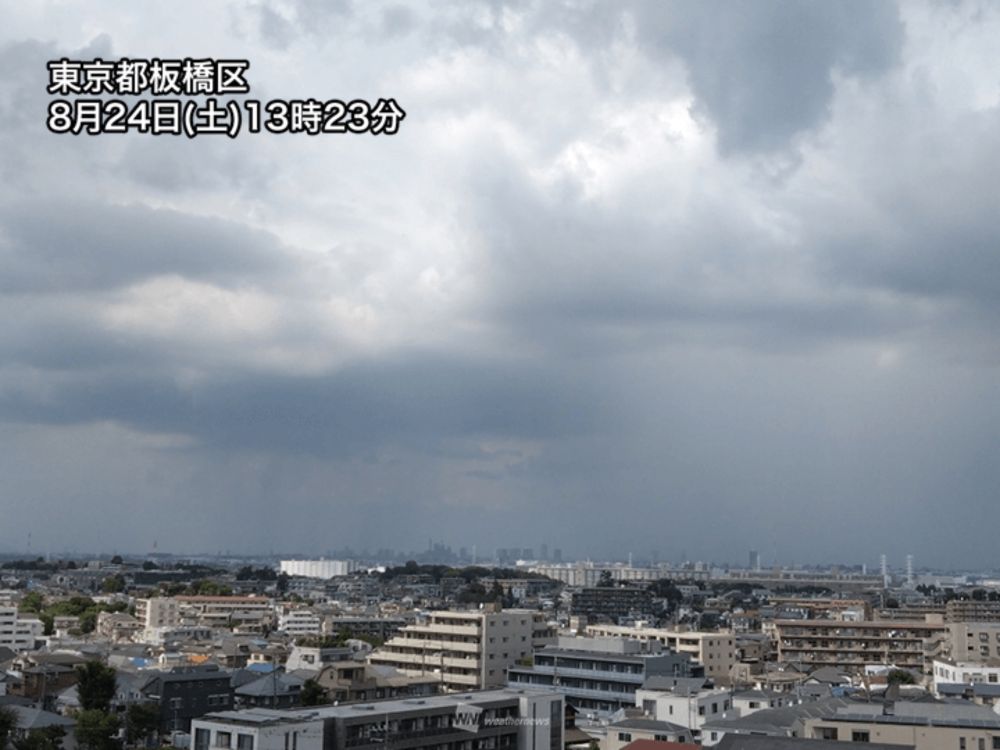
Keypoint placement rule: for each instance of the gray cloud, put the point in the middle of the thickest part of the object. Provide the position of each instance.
(95, 246)
(554, 295)
(764, 73)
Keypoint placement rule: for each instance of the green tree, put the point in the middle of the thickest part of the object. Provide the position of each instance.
(117, 560)
(141, 721)
(605, 581)
(113, 584)
(312, 693)
(48, 738)
(96, 686)
(32, 602)
(900, 677)
(96, 730)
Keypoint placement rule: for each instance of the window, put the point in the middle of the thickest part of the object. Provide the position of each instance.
(222, 739)
(701, 710)
(996, 743)
(244, 742)
(624, 737)
(859, 736)
(201, 739)
(961, 743)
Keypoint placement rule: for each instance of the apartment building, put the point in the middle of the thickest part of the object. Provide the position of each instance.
(588, 574)
(849, 646)
(950, 672)
(359, 626)
(467, 650)
(157, 612)
(924, 726)
(974, 641)
(971, 610)
(485, 720)
(716, 651)
(599, 675)
(318, 568)
(244, 614)
(300, 622)
(19, 633)
(612, 603)
(117, 626)
(820, 608)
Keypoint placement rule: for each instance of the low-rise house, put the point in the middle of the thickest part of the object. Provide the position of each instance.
(348, 681)
(183, 694)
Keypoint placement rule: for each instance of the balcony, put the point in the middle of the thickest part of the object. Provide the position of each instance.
(589, 674)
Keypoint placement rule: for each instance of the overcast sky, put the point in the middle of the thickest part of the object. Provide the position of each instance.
(660, 277)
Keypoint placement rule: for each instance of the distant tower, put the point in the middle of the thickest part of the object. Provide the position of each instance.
(909, 571)
(754, 561)
(884, 564)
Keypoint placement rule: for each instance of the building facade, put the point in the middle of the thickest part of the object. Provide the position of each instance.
(850, 646)
(598, 676)
(716, 651)
(485, 720)
(467, 650)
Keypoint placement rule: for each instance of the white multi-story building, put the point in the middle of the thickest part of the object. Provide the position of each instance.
(19, 633)
(157, 612)
(297, 622)
(318, 568)
(948, 672)
(467, 650)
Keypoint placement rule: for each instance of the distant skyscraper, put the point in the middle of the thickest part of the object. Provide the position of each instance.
(909, 571)
(754, 560)
(557, 555)
(884, 565)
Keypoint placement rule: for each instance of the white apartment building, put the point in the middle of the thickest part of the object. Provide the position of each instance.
(157, 612)
(468, 650)
(715, 651)
(318, 568)
(19, 633)
(948, 672)
(297, 622)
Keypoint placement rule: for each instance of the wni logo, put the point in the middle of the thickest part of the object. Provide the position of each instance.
(468, 718)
